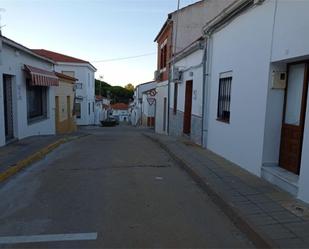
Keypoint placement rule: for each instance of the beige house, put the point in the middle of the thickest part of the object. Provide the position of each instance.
(64, 103)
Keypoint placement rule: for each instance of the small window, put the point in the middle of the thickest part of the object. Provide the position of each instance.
(79, 85)
(175, 97)
(163, 57)
(36, 102)
(88, 108)
(224, 98)
(92, 106)
(77, 110)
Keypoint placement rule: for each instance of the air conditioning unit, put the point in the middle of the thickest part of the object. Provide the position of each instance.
(176, 75)
(279, 79)
(157, 75)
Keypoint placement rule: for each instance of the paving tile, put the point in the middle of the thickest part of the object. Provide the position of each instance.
(291, 243)
(271, 207)
(248, 208)
(285, 217)
(299, 228)
(238, 199)
(277, 232)
(262, 219)
(259, 198)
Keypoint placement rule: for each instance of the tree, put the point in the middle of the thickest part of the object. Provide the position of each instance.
(129, 87)
(115, 93)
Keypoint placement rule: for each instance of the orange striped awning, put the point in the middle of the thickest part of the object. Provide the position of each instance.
(41, 77)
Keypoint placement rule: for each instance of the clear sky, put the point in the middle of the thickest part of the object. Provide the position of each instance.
(93, 30)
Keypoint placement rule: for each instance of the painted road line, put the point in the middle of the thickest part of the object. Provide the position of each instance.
(48, 238)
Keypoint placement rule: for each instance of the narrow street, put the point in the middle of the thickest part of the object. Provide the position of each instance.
(112, 189)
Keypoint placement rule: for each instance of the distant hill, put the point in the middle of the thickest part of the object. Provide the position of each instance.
(117, 94)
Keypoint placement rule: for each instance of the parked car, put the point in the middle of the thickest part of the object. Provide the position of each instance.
(110, 121)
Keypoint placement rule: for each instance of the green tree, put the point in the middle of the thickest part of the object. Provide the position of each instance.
(129, 87)
(117, 94)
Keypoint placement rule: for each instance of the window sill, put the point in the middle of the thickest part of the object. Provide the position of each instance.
(36, 120)
(223, 120)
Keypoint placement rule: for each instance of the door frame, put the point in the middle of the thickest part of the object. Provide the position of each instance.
(11, 136)
(303, 110)
(188, 107)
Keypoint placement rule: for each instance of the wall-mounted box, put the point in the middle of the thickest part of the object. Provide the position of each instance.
(279, 79)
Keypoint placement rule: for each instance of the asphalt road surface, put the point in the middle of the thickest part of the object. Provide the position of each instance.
(112, 189)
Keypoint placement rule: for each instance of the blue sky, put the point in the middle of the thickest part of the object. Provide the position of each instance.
(93, 30)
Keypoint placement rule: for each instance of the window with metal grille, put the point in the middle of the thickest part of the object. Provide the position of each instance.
(224, 99)
(78, 110)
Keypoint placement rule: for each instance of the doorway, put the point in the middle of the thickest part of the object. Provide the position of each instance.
(188, 108)
(8, 107)
(294, 117)
(164, 113)
(57, 113)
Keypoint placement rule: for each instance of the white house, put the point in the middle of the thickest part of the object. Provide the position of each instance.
(148, 108)
(143, 105)
(85, 86)
(102, 106)
(177, 38)
(120, 111)
(27, 86)
(186, 105)
(258, 113)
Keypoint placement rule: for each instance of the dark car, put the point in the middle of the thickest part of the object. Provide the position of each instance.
(111, 121)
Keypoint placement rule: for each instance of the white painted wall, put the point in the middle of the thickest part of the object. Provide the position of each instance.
(192, 19)
(190, 64)
(147, 109)
(242, 47)
(13, 61)
(253, 136)
(122, 115)
(85, 75)
(162, 92)
(273, 122)
(290, 37)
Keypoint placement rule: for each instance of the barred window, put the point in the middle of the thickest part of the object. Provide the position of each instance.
(224, 98)
(78, 110)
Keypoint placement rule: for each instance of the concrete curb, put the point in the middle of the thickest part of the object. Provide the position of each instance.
(251, 231)
(11, 171)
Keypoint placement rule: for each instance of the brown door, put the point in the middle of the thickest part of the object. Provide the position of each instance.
(8, 107)
(188, 107)
(294, 117)
(69, 121)
(164, 113)
(57, 121)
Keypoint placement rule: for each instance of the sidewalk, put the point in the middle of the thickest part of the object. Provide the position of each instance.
(19, 154)
(269, 216)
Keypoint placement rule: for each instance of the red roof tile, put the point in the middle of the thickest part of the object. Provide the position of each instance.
(65, 77)
(59, 57)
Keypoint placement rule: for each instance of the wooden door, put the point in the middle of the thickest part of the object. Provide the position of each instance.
(8, 107)
(188, 108)
(294, 117)
(57, 121)
(164, 113)
(69, 121)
